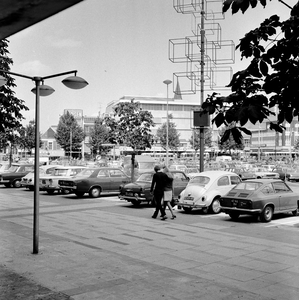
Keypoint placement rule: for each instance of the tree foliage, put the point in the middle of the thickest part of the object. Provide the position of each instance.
(173, 134)
(26, 139)
(270, 80)
(229, 143)
(10, 106)
(195, 139)
(98, 136)
(130, 126)
(69, 134)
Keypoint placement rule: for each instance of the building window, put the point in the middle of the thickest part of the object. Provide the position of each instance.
(50, 145)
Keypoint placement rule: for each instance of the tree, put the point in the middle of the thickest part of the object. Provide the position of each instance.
(230, 143)
(173, 135)
(98, 136)
(26, 138)
(10, 106)
(270, 80)
(130, 126)
(195, 139)
(69, 135)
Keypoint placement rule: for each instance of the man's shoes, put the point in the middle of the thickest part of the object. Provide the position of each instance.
(154, 217)
(164, 218)
(173, 217)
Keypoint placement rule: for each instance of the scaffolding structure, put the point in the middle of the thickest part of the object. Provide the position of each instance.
(206, 55)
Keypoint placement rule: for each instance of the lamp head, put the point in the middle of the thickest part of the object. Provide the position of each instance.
(75, 82)
(44, 90)
(167, 81)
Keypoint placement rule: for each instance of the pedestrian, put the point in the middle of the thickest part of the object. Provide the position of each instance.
(168, 191)
(157, 189)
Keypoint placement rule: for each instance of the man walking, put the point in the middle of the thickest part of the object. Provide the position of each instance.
(157, 188)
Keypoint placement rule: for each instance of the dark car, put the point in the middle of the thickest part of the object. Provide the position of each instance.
(139, 191)
(284, 173)
(13, 176)
(260, 197)
(95, 181)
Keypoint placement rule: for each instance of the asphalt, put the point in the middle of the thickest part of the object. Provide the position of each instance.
(87, 252)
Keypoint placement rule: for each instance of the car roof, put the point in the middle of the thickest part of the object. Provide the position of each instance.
(263, 180)
(213, 172)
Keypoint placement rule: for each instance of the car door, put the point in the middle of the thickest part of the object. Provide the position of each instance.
(224, 185)
(284, 194)
(117, 177)
(180, 180)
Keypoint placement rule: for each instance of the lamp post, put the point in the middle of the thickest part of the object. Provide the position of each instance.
(72, 82)
(167, 82)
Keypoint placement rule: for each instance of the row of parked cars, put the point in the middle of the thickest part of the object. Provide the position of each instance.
(211, 191)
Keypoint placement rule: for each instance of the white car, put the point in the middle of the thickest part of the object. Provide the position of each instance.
(28, 180)
(264, 173)
(204, 190)
(50, 183)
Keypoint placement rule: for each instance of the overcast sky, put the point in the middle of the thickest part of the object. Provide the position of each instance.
(119, 46)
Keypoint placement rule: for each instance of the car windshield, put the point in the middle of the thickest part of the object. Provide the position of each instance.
(13, 169)
(145, 177)
(201, 180)
(249, 186)
(146, 165)
(86, 172)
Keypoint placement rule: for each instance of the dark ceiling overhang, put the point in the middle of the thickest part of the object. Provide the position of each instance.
(16, 15)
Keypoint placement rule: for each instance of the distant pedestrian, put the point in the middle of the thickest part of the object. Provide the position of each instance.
(157, 189)
(168, 191)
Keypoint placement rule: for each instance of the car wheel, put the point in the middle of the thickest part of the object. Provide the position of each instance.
(7, 185)
(65, 192)
(50, 192)
(31, 188)
(135, 202)
(79, 194)
(16, 183)
(187, 209)
(215, 206)
(234, 216)
(267, 214)
(95, 192)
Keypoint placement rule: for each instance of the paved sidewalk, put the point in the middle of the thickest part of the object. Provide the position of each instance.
(89, 253)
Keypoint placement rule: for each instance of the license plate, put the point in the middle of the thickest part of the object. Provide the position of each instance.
(129, 194)
(189, 198)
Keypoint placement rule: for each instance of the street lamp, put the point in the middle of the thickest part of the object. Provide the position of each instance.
(40, 89)
(167, 82)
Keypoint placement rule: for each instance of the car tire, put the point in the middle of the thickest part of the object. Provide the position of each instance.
(50, 192)
(79, 194)
(234, 216)
(187, 209)
(16, 183)
(65, 192)
(215, 206)
(31, 188)
(95, 192)
(135, 202)
(267, 214)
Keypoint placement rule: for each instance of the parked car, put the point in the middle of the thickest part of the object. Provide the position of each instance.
(243, 173)
(283, 173)
(264, 173)
(191, 172)
(261, 197)
(28, 180)
(95, 181)
(294, 175)
(178, 167)
(4, 166)
(139, 191)
(14, 174)
(204, 191)
(49, 183)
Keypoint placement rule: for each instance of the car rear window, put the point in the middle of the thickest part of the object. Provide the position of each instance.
(201, 180)
(249, 186)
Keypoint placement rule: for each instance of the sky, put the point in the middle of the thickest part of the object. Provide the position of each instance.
(120, 47)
